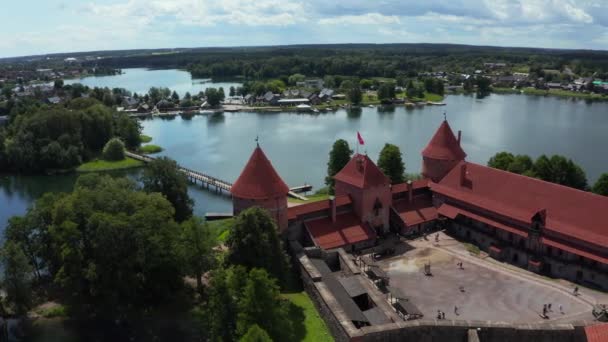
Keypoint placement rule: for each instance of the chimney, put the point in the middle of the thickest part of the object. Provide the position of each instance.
(463, 174)
(410, 191)
(459, 136)
(332, 208)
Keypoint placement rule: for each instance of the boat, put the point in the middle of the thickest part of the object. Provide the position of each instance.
(305, 108)
(431, 103)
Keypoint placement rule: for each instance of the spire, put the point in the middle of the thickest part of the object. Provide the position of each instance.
(362, 172)
(444, 145)
(259, 180)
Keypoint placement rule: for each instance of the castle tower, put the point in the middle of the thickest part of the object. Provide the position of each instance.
(369, 189)
(259, 185)
(442, 153)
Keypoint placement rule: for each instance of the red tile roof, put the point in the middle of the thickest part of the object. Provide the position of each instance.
(312, 207)
(259, 180)
(597, 333)
(444, 145)
(417, 184)
(451, 212)
(571, 212)
(421, 210)
(347, 230)
(362, 172)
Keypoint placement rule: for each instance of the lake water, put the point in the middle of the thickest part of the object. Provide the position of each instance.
(298, 144)
(140, 80)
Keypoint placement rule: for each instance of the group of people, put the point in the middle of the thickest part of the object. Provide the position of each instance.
(441, 314)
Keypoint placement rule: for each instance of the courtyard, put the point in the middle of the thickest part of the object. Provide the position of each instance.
(480, 289)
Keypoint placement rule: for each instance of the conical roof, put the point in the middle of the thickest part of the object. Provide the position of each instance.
(259, 180)
(444, 145)
(362, 172)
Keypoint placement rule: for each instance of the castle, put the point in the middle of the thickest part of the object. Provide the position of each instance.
(543, 227)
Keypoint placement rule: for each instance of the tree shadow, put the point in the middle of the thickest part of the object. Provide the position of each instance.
(296, 317)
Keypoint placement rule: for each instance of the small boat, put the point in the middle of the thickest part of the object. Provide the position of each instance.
(315, 110)
(371, 106)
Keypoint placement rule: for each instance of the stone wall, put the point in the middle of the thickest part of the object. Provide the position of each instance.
(458, 331)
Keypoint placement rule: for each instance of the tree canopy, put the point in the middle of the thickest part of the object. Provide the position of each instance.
(114, 150)
(555, 169)
(254, 242)
(163, 175)
(112, 250)
(339, 156)
(601, 186)
(391, 163)
(57, 138)
(241, 299)
(386, 92)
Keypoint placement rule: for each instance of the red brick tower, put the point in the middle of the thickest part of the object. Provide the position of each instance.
(259, 185)
(442, 153)
(369, 190)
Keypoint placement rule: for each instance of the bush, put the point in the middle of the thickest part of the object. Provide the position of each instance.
(114, 150)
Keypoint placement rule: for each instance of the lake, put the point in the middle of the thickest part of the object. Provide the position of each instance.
(140, 80)
(298, 144)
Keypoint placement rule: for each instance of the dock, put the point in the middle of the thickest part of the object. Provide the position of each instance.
(212, 183)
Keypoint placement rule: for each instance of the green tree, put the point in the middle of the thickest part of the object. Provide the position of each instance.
(601, 186)
(213, 97)
(501, 160)
(115, 247)
(255, 334)
(58, 84)
(175, 97)
(163, 175)
(560, 170)
(17, 277)
(196, 246)
(410, 90)
(114, 150)
(339, 156)
(232, 91)
(386, 92)
(295, 78)
(254, 242)
(354, 95)
(391, 163)
(260, 304)
(521, 164)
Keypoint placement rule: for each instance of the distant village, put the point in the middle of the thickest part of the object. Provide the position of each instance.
(306, 95)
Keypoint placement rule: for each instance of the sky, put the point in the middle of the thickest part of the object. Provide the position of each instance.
(30, 27)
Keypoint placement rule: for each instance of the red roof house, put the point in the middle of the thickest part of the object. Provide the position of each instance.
(442, 153)
(345, 231)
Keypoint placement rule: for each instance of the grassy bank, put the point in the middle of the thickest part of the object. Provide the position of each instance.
(150, 149)
(104, 165)
(221, 228)
(311, 198)
(551, 92)
(145, 138)
(315, 328)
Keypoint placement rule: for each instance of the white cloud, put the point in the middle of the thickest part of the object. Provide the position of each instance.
(363, 19)
(208, 12)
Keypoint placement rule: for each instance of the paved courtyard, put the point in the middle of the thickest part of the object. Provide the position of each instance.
(481, 290)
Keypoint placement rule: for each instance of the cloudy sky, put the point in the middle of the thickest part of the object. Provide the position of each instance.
(47, 26)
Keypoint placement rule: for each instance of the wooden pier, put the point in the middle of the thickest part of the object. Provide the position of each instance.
(212, 183)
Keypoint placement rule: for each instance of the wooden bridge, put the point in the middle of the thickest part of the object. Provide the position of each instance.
(210, 182)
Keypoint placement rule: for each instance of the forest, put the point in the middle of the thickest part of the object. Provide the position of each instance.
(361, 60)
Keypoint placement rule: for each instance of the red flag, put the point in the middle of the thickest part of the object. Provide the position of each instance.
(360, 138)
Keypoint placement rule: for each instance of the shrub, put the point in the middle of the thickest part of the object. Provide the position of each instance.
(114, 150)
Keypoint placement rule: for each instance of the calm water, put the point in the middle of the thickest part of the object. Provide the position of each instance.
(140, 80)
(298, 144)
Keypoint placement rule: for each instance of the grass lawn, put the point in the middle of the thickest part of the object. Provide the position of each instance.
(564, 93)
(314, 326)
(311, 198)
(221, 229)
(145, 138)
(150, 149)
(104, 165)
